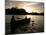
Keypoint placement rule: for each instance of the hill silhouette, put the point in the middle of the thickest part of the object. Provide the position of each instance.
(19, 12)
(15, 11)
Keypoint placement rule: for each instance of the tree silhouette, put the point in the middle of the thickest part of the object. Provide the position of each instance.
(20, 11)
(15, 11)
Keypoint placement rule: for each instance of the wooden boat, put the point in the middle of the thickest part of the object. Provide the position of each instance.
(22, 22)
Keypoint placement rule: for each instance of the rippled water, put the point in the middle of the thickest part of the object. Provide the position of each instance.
(38, 21)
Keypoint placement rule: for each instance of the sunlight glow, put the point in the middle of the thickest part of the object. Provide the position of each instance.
(28, 10)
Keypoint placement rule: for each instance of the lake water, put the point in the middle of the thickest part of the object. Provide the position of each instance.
(38, 21)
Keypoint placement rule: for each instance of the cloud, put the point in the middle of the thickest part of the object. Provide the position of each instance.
(35, 6)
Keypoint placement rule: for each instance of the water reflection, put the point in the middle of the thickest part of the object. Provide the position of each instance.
(36, 22)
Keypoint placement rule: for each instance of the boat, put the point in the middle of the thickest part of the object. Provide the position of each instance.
(22, 22)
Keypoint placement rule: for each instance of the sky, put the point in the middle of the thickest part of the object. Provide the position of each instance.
(30, 7)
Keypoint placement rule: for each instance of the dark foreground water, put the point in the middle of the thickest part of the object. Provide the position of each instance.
(38, 24)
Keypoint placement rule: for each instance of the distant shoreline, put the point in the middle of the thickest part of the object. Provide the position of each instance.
(15, 11)
(23, 14)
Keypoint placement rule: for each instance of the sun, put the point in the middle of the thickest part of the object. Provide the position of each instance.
(28, 10)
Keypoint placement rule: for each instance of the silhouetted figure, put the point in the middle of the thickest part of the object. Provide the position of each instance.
(32, 27)
(26, 17)
(17, 24)
(12, 23)
(32, 23)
